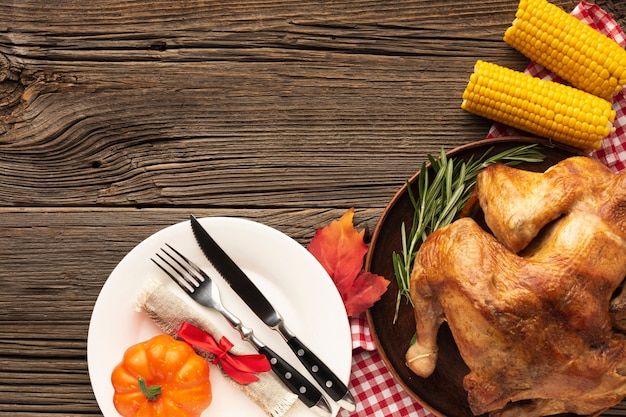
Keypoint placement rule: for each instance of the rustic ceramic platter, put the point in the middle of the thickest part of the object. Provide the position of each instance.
(442, 392)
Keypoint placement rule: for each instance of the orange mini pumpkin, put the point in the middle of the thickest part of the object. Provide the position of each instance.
(161, 377)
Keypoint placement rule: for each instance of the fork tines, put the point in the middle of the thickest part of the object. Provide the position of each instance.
(184, 272)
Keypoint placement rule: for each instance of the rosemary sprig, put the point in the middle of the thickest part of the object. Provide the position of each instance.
(440, 200)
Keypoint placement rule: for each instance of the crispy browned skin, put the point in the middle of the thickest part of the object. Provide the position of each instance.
(533, 325)
(518, 204)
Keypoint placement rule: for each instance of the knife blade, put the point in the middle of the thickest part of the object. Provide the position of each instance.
(259, 304)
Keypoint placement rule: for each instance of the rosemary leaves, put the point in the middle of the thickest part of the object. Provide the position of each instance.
(441, 198)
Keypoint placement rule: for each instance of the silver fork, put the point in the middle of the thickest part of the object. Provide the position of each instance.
(201, 288)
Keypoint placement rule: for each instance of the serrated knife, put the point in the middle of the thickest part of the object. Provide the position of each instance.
(257, 302)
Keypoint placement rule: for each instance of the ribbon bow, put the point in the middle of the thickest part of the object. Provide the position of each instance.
(240, 368)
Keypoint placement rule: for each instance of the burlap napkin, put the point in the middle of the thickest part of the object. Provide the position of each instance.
(169, 311)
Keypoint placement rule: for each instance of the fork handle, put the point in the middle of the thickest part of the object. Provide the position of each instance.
(295, 381)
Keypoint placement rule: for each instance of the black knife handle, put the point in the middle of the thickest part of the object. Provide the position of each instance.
(293, 379)
(333, 386)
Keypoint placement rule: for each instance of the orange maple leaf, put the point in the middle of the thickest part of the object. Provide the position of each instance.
(340, 248)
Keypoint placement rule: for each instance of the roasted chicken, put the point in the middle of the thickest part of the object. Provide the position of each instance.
(530, 299)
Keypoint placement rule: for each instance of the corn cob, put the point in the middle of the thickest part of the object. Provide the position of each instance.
(574, 51)
(541, 107)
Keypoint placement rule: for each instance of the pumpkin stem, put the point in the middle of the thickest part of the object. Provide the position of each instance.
(151, 392)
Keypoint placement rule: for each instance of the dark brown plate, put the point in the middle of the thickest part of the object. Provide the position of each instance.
(442, 392)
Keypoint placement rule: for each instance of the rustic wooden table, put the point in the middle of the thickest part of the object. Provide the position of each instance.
(118, 118)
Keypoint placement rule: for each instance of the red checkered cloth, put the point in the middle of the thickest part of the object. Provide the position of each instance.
(376, 392)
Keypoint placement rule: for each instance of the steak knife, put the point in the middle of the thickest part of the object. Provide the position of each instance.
(253, 297)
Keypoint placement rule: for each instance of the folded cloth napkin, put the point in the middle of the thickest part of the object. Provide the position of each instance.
(169, 312)
(375, 390)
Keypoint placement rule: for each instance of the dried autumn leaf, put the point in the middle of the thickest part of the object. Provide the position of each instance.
(364, 292)
(340, 248)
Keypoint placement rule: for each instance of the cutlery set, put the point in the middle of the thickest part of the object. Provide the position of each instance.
(203, 290)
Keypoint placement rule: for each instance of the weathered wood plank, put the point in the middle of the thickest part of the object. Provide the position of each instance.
(174, 113)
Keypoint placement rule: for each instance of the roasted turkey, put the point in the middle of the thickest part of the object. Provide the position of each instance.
(533, 299)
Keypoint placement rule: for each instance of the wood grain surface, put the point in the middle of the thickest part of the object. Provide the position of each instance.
(118, 118)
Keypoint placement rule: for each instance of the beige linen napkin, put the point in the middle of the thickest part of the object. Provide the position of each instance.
(169, 311)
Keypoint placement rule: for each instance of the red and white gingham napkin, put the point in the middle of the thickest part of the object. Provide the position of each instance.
(376, 392)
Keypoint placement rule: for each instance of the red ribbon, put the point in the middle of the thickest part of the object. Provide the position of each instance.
(241, 368)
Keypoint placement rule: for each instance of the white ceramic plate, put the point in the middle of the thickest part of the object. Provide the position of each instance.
(290, 277)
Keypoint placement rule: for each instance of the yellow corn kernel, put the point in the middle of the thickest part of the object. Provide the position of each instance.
(541, 107)
(574, 51)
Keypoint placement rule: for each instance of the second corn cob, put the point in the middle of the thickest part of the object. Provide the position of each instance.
(544, 108)
(568, 47)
